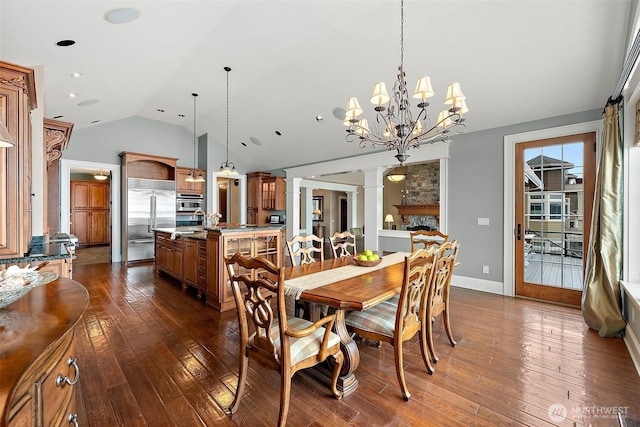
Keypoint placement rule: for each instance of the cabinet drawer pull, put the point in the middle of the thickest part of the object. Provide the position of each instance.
(73, 419)
(60, 379)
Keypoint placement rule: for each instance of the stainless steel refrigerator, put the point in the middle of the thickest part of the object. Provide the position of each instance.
(151, 204)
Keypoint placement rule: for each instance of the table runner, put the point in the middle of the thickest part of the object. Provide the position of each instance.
(295, 287)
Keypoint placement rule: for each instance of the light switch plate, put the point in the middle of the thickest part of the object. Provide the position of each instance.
(483, 221)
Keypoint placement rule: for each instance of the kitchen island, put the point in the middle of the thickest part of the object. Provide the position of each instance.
(195, 257)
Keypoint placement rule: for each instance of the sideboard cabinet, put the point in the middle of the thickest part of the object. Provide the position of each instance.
(38, 358)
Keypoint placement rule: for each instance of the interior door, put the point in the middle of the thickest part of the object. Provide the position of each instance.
(555, 180)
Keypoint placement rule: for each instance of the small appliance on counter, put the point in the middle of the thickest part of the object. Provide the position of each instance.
(69, 240)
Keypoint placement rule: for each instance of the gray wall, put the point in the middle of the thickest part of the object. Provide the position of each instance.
(104, 143)
(476, 190)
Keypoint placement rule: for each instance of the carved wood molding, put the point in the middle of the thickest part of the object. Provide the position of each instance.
(56, 138)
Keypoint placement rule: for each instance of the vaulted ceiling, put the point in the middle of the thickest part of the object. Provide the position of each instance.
(292, 61)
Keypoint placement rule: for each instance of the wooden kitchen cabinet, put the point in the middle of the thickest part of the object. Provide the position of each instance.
(90, 212)
(195, 265)
(182, 186)
(265, 193)
(273, 191)
(17, 99)
(38, 362)
(169, 255)
(266, 242)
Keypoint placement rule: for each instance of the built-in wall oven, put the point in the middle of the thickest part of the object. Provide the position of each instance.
(189, 202)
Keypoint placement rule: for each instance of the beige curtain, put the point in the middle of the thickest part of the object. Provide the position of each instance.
(601, 300)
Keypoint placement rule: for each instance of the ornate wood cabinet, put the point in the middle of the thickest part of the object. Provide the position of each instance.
(56, 139)
(37, 356)
(17, 99)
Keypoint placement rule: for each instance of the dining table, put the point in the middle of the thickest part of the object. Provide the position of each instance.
(343, 286)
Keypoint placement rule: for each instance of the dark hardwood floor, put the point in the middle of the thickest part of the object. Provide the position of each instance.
(153, 355)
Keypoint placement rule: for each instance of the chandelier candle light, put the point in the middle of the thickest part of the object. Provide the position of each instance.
(227, 168)
(194, 175)
(394, 127)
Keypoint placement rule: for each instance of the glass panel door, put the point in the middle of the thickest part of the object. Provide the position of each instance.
(553, 216)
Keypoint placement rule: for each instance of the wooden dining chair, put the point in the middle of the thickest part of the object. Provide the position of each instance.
(306, 249)
(283, 343)
(397, 323)
(423, 238)
(437, 301)
(343, 244)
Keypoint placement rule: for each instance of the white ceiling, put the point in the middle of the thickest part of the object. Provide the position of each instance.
(517, 61)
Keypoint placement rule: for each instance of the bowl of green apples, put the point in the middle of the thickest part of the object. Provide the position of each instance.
(367, 259)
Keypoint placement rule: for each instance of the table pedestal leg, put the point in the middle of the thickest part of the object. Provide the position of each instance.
(347, 382)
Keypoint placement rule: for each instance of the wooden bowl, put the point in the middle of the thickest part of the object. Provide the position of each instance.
(367, 263)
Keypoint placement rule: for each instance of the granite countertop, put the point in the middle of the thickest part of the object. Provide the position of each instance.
(39, 253)
(197, 232)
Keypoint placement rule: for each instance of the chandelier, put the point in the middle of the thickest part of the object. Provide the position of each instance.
(194, 175)
(227, 167)
(395, 127)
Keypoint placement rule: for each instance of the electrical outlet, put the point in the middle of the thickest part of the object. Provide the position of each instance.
(485, 269)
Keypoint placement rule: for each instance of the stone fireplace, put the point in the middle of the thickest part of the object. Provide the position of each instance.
(420, 208)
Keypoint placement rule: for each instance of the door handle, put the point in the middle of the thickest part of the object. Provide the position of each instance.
(519, 232)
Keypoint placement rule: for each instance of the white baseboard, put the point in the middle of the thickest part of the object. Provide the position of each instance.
(478, 284)
(633, 345)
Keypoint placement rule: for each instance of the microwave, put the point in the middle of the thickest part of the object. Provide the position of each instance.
(189, 202)
(274, 219)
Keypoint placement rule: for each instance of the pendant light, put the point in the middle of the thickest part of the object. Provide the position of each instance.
(227, 168)
(194, 175)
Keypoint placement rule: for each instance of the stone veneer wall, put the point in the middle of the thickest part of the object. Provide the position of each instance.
(422, 185)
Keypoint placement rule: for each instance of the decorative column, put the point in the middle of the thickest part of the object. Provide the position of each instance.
(293, 206)
(373, 179)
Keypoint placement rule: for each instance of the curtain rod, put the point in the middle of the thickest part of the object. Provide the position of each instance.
(628, 66)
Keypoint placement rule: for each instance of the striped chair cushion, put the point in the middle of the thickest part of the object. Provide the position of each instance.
(380, 319)
(301, 348)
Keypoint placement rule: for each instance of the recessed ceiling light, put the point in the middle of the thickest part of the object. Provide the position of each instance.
(88, 102)
(278, 133)
(339, 113)
(76, 75)
(122, 15)
(72, 95)
(65, 43)
(255, 140)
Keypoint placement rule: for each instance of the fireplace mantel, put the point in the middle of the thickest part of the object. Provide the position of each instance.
(427, 209)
